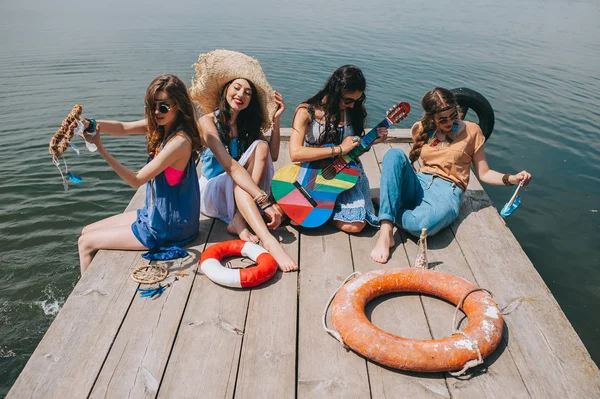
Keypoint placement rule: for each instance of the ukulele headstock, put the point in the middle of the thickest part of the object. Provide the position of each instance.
(398, 112)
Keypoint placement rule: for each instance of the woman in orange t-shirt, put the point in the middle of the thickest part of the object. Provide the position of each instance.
(431, 198)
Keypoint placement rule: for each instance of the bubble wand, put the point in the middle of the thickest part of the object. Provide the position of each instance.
(512, 204)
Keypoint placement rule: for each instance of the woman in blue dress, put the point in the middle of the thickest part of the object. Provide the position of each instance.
(170, 216)
(336, 116)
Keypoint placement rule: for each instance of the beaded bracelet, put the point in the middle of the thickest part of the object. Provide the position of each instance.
(261, 196)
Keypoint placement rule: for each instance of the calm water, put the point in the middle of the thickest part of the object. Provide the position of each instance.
(536, 61)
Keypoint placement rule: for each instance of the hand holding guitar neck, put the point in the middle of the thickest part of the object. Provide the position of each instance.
(349, 144)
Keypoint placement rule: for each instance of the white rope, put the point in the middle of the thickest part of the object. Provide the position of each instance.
(57, 164)
(455, 330)
(331, 332)
(470, 363)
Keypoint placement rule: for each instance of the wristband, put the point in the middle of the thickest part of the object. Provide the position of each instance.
(505, 180)
(92, 127)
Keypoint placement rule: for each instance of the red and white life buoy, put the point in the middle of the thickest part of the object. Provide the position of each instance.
(210, 264)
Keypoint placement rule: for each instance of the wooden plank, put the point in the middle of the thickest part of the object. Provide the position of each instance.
(71, 353)
(325, 368)
(268, 361)
(549, 355)
(445, 255)
(398, 314)
(205, 356)
(141, 350)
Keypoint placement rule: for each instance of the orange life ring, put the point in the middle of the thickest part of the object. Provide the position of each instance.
(481, 337)
(210, 264)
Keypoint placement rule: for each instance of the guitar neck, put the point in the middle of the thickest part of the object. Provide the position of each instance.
(343, 160)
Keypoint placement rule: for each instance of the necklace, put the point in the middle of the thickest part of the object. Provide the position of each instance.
(433, 141)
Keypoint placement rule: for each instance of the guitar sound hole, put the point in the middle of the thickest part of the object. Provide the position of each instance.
(328, 173)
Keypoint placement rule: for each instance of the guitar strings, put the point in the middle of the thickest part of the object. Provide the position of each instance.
(353, 154)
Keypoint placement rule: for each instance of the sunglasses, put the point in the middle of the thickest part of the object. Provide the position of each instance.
(348, 101)
(447, 119)
(163, 108)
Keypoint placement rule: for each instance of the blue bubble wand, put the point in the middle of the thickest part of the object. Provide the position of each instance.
(512, 204)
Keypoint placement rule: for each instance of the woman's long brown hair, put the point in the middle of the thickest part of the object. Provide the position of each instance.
(345, 79)
(248, 121)
(434, 101)
(186, 120)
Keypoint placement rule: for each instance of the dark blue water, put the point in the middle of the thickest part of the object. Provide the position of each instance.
(536, 61)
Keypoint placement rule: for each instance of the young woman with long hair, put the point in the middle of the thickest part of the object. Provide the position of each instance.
(170, 216)
(239, 105)
(431, 198)
(335, 118)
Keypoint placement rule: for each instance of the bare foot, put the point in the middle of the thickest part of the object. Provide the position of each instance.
(381, 251)
(285, 262)
(238, 226)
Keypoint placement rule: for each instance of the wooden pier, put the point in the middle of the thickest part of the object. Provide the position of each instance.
(201, 340)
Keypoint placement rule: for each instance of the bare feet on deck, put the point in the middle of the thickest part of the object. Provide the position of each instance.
(381, 251)
(238, 226)
(285, 262)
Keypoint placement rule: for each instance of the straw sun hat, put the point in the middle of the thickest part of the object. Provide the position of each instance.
(215, 69)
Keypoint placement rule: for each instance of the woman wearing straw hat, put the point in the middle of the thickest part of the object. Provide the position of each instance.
(238, 104)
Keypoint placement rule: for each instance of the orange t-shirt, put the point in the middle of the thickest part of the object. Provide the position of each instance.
(452, 162)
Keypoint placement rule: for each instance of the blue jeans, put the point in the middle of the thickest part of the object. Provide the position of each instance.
(414, 201)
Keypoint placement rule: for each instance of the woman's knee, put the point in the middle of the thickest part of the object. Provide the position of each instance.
(394, 158)
(83, 243)
(85, 230)
(414, 223)
(261, 152)
(352, 227)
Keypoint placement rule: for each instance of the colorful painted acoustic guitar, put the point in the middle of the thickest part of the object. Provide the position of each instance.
(307, 192)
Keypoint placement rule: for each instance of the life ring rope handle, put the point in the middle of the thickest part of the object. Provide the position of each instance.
(330, 331)
(455, 330)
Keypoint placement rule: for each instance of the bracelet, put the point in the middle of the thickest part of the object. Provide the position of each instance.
(92, 126)
(332, 151)
(266, 206)
(340, 147)
(505, 180)
(260, 196)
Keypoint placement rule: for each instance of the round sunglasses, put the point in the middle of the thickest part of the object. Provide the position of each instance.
(162, 108)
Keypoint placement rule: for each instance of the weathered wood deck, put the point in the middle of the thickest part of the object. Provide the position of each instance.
(202, 340)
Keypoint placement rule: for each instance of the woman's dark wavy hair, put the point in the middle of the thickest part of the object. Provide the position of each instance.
(186, 119)
(248, 121)
(345, 79)
(434, 101)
